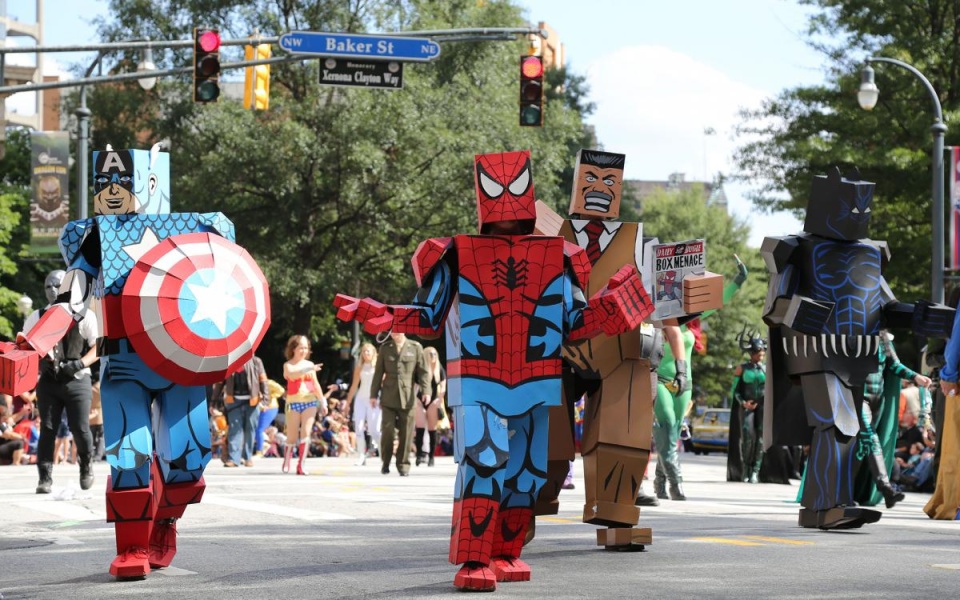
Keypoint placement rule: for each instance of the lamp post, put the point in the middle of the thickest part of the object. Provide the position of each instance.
(867, 97)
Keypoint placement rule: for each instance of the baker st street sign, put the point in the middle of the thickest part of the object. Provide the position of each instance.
(362, 73)
(354, 45)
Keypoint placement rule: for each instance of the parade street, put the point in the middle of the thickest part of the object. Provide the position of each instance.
(351, 532)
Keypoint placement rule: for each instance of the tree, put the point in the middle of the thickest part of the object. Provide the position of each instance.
(17, 276)
(680, 215)
(804, 131)
(332, 188)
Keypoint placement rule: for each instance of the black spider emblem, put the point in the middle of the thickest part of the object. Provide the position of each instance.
(511, 274)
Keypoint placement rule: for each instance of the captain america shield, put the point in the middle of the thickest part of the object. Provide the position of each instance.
(195, 307)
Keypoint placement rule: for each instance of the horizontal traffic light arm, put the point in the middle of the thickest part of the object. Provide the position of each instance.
(13, 89)
(439, 35)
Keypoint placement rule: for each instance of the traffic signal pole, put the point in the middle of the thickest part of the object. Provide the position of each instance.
(479, 34)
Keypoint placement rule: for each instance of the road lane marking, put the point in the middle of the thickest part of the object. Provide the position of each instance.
(947, 567)
(64, 510)
(729, 541)
(776, 540)
(275, 509)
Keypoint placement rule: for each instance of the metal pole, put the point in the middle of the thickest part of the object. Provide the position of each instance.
(83, 136)
(938, 129)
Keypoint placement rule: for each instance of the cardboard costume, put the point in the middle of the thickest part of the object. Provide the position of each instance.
(181, 306)
(825, 319)
(617, 373)
(507, 301)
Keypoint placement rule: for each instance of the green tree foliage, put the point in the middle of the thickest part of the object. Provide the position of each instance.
(15, 235)
(332, 188)
(804, 131)
(680, 215)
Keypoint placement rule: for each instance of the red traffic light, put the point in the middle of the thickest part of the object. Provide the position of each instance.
(531, 91)
(209, 41)
(531, 67)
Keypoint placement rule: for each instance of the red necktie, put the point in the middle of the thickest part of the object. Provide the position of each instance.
(594, 229)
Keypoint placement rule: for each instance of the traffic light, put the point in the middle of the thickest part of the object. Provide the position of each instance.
(531, 91)
(256, 88)
(206, 65)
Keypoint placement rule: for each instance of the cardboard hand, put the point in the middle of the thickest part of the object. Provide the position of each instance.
(19, 368)
(376, 317)
(624, 304)
(933, 320)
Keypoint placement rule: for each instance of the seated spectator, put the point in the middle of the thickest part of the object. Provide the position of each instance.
(274, 442)
(318, 445)
(24, 407)
(914, 454)
(910, 442)
(218, 433)
(11, 442)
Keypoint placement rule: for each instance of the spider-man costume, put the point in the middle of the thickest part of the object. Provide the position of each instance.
(507, 300)
(825, 318)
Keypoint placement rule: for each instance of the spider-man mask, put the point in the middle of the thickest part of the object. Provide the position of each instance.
(505, 200)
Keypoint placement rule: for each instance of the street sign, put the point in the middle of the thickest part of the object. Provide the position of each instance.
(353, 45)
(375, 74)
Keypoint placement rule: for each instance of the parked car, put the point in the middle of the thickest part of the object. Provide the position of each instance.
(711, 431)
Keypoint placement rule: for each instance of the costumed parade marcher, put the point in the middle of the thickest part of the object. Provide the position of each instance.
(672, 404)
(181, 307)
(825, 320)
(747, 410)
(879, 425)
(507, 300)
(945, 502)
(64, 386)
(617, 373)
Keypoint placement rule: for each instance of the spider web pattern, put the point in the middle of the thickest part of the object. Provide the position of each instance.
(511, 274)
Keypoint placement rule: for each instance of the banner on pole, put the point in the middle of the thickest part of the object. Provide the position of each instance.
(50, 177)
(954, 261)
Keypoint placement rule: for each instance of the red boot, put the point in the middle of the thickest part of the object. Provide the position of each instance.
(172, 500)
(471, 541)
(132, 513)
(302, 450)
(508, 537)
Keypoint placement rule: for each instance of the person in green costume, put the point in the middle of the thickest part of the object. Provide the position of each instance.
(747, 392)
(878, 425)
(671, 405)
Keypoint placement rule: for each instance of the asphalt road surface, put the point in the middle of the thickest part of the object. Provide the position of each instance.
(351, 532)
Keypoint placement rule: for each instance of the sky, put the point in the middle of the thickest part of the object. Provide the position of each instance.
(660, 73)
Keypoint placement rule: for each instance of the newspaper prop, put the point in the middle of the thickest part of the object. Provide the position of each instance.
(671, 265)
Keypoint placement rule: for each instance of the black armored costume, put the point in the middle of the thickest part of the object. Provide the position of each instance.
(826, 305)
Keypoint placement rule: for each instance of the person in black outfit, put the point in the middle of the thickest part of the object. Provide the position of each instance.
(64, 384)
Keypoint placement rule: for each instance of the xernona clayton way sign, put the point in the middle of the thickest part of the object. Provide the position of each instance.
(350, 72)
(352, 45)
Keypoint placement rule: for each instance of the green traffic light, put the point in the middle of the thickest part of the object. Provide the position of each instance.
(530, 115)
(206, 91)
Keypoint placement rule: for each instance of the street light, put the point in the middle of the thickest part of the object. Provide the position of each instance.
(25, 305)
(144, 66)
(867, 97)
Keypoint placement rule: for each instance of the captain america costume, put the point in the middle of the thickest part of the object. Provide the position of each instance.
(181, 306)
(106, 248)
